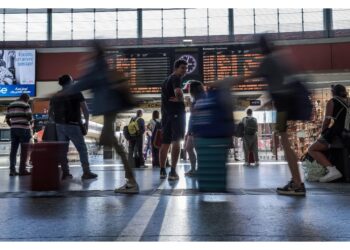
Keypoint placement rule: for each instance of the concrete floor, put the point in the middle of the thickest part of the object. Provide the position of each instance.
(165, 211)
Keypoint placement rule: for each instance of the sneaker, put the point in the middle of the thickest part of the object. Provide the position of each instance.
(163, 173)
(13, 173)
(191, 173)
(143, 166)
(332, 174)
(89, 175)
(290, 189)
(24, 173)
(246, 164)
(67, 176)
(257, 164)
(173, 176)
(128, 189)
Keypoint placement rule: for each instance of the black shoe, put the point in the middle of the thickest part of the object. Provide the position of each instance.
(163, 173)
(67, 176)
(89, 175)
(291, 189)
(24, 173)
(173, 176)
(13, 173)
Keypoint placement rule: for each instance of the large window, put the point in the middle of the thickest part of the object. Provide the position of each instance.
(341, 19)
(2, 26)
(76, 24)
(106, 25)
(83, 25)
(313, 19)
(15, 27)
(127, 24)
(290, 20)
(152, 23)
(266, 21)
(173, 23)
(218, 21)
(243, 21)
(37, 26)
(62, 26)
(196, 22)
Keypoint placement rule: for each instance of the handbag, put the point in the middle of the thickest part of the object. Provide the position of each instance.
(157, 142)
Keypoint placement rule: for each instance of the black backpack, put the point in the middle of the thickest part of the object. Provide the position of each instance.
(126, 133)
(251, 126)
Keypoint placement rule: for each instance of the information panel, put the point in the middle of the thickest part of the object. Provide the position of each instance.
(17, 72)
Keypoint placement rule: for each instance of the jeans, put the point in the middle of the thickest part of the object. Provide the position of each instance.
(135, 152)
(250, 143)
(66, 133)
(19, 136)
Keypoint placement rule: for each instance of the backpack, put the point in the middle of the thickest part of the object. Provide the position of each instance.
(240, 130)
(250, 126)
(133, 127)
(126, 133)
(157, 135)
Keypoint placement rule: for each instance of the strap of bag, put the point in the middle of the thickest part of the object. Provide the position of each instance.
(347, 108)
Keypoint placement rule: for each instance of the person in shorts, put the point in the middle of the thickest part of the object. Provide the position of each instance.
(332, 127)
(173, 119)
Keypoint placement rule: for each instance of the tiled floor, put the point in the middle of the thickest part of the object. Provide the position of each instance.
(173, 211)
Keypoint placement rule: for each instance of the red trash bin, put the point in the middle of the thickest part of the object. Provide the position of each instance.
(45, 157)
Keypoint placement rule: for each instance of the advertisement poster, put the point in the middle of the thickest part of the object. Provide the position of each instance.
(17, 72)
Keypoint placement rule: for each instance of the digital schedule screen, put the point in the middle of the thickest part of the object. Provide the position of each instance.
(221, 62)
(145, 69)
(148, 68)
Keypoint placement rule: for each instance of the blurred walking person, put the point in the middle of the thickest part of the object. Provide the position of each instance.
(111, 95)
(284, 89)
(197, 92)
(19, 117)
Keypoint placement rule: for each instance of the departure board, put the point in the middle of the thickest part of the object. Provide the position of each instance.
(144, 69)
(222, 62)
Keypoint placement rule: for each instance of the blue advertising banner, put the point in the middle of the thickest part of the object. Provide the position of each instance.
(17, 72)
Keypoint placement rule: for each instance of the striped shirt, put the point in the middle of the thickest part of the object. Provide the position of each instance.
(19, 114)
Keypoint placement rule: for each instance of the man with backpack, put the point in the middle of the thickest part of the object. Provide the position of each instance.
(250, 138)
(136, 129)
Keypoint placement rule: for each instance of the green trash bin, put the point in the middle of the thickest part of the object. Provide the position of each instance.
(212, 155)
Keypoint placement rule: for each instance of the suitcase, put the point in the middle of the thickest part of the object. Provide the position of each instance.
(45, 158)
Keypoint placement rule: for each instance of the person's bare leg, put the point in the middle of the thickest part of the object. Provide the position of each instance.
(163, 153)
(175, 153)
(291, 159)
(316, 152)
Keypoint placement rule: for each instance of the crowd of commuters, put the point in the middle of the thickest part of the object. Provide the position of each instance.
(166, 129)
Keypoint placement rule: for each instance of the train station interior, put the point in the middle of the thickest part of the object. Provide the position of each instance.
(39, 45)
